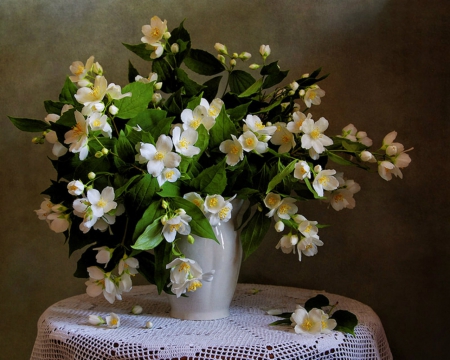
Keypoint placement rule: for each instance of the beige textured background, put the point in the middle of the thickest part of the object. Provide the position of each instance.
(389, 64)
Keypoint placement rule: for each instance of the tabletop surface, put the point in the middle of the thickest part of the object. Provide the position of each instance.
(65, 333)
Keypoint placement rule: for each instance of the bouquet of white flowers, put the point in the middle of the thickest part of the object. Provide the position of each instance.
(139, 166)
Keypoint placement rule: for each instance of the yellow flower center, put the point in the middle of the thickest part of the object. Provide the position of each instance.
(73, 188)
(114, 321)
(324, 325)
(213, 202)
(195, 123)
(338, 197)
(249, 141)
(101, 203)
(78, 130)
(213, 111)
(169, 174)
(234, 149)
(309, 246)
(312, 95)
(95, 91)
(323, 180)
(285, 139)
(260, 125)
(224, 212)
(195, 285)
(283, 209)
(315, 134)
(308, 229)
(272, 201)
(79, 70)
(175, 227)
(97, 123)
(197, 202)
(158, 156)
(184, 267)
(183, 143)
(307, 324)
(155, 32)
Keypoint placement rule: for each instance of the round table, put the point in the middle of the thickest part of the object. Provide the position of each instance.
(64, 331)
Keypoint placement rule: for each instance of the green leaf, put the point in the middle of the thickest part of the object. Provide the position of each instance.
(153, 211)
(281, 322)
(146, 265)
(199, 224)
(253, 233)
(140, 196)
(222, 129)
(165, 75)
(240, 81)
(254, 88)
(281, 175)
(212, 180)
(132, 72)
(211, 88)
(318, 302)
(132, 105)
(151, 237)
(340, 160)
(203, 63)
(67, 93)
(239, 112)
(270, 107)
(91, 164)
(53, 107)
(29, 125)
(275, 79)
(190, 86)
(153, 121)
(163, 254)
(124, 149)
(346, 321)
(169, 190)
(140, 50)
(308, 184)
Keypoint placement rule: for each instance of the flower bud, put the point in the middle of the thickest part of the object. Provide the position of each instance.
(175, 48)
(158, 85)
(37, 140)
(233, 62)
(279, 226)
(245, 56)
(136, 309)
(105, 151)
(301, 92)
(391, 150)
(234, 55)
(164, 204)
(221, 58)
(317, 168)
(264, 50)
(113, 110)
(156, 98)
(294, 85)
(84, 83)
(148, 325)
(164, 219)
(366, 156)
(294, 239)
(220, 48)
(97, 68)
(98, 154)
(99, 107)
(274, 312)
(254, 66)
(96, 320)
(167, 35)
(305, 76)
(190, 239)
(91, 175)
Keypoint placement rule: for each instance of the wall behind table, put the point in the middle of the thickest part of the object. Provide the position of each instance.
(388, 63)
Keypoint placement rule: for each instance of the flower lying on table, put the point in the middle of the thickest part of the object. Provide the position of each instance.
(138, 168)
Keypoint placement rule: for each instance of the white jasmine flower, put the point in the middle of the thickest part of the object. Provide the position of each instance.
(218, 208)
(136, 310)
(115, 92)
(127, 268)
(298, 118)
(104, 254)
(78, 136)
(313, 95)
(154, 32)
(220, 48)
(287, 243)
(113, 110)
(214, 108)
(113, 321)
(307, 323)
(264, 50)
(177, 224)
(186, 275)
(386, 169)
(283, 137)
(254, 123)
(100, 282)
(233, 149)
(168, 174)
(152, 77)
(101, 203)
(88, 96)
(98, 121)
(325, 180)
(308, 246)
(313, 136)
(306, 227)
(327, 324)
(302, 170)
(279, 226)
(350, 132)
(79, 70)
(196, 199)
(286, 208)
(272, 202)
(158, 157)
(96, 320)
(45, 209)
(250, 142)
(58, 222)
(75, 187)
(194, 118)
(184, 141)
(157, 50)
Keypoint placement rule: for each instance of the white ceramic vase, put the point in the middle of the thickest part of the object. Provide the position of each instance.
(213, 299)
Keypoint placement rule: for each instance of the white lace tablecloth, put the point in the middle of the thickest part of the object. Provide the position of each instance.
(65, 333)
